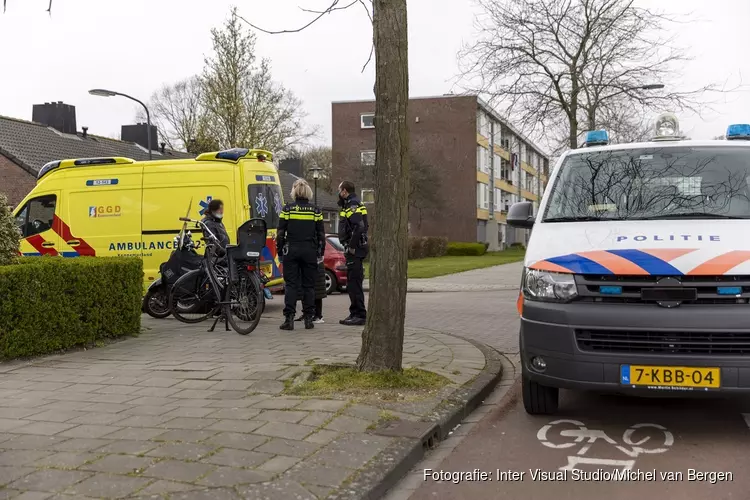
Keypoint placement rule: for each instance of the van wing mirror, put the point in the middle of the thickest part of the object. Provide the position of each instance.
(521, 215)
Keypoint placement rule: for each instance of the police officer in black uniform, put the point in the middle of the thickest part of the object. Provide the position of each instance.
(301, 242)
(353, 228)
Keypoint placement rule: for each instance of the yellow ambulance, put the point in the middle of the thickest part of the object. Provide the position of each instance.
(121, 207)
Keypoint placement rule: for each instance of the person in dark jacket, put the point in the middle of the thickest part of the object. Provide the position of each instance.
(320, 294)
(353, 226)
(300, 239)
(213, 221)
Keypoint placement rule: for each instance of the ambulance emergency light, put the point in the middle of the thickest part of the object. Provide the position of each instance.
(740, 131)
(597, 138)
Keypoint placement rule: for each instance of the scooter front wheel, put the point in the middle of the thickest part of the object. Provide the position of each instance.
(156, 303)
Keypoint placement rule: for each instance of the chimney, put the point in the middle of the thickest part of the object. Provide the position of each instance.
(292, 165)
(85, 131)
(58, 115)
(139, 134)
(163, 147)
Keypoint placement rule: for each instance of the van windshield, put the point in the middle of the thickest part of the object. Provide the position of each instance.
(652, 184)
(266, 202)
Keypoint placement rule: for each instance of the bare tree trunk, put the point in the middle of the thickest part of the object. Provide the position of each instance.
(573, 134)
(383, 337)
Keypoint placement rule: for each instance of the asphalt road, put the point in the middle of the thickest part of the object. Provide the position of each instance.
(646, 436)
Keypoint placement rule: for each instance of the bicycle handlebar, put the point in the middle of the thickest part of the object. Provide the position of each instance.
(211, 235)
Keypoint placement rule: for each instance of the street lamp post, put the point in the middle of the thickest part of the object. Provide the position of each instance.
(316, 175)
(111, 93)
(649, 86)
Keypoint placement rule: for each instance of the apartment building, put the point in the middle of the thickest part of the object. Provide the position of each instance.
(477, 162)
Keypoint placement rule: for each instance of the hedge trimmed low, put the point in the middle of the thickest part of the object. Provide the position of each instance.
(421, 247)
(466, 249)
(54, 303)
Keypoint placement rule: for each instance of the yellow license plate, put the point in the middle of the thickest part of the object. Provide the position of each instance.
(670, 376)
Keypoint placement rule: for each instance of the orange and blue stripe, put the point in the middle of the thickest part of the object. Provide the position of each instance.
(635, 262)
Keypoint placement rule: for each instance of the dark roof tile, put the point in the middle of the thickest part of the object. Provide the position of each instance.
(34, 144)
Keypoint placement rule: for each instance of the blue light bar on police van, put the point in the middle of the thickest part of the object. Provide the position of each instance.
(597, 138)
(740, 131)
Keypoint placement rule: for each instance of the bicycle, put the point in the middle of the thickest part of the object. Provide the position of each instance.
(233, 293)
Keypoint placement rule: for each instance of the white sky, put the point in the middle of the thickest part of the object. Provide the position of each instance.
(135, 46)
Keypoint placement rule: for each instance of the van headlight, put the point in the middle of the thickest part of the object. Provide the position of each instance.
(549, 287)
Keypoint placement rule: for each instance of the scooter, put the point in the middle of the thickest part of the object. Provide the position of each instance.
(184, 258)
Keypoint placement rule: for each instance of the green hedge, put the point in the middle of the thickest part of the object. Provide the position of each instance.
(53, 303)
(421, 247)
(464, 249)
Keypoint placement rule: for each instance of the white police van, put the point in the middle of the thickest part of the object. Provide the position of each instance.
(637, 273)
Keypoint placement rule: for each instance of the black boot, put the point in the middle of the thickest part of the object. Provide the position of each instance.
(309, 325)
(288, 323)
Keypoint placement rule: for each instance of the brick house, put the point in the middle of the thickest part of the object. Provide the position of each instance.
(480, 163)
(25, 146)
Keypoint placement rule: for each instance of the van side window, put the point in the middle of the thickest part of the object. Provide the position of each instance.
(266, 202)
(37, 215)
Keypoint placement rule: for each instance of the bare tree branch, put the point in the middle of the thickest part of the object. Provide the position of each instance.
(331, 8)
(556, 65)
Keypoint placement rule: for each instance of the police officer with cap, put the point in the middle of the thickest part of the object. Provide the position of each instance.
(353, 226)
(301, 242)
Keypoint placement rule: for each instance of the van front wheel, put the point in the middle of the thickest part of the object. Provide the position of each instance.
(539, 399)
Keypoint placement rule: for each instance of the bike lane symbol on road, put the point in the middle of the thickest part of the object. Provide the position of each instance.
(584, 438)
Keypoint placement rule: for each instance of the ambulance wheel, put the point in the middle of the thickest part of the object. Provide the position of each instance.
(156, 303)
(539, 399)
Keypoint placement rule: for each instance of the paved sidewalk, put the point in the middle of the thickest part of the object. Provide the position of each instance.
(185, 414)
(503, 277)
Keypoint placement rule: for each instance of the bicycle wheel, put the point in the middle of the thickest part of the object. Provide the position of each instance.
(245, 302)
(191, 299)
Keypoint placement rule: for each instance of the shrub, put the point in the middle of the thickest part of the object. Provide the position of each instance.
(52, 303)
(435, 246)
(464, 249)
(9, 234)
(416, 247)
(426, 246)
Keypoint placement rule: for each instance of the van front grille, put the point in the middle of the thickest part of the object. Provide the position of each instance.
(656, 342)
(729, 290)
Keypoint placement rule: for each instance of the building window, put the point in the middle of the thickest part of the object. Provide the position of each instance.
(506, 171)
(368, 158)
(368, 196)
(483, 195)
(497, 199)
(483, 159)
(367, 120)
(498, 166)
(483, 124)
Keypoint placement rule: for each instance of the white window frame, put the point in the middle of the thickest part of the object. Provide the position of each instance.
(368, 196)
(363, 154)
(498, 166)
(486, 200)
(362, 120)
(479, 194)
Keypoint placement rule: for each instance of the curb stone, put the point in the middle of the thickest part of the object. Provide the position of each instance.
(453, 288)
(385, 470)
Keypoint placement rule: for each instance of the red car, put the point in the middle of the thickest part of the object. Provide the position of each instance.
(335, 264)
